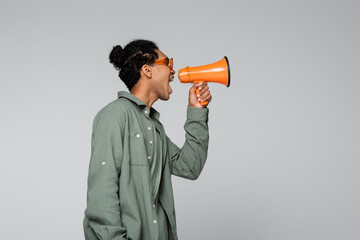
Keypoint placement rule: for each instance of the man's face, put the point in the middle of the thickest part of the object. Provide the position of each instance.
(162, 76)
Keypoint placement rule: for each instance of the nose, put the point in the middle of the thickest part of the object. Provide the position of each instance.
(172, 71)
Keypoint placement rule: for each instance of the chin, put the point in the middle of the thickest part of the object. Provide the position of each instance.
(165, 98)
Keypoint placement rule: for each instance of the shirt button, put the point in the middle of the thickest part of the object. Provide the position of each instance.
(149, 128)
(103, 163)
(149, 157)
(153, 205)
(146, 111)
(151, 142)
(137, 135)
(155, 221)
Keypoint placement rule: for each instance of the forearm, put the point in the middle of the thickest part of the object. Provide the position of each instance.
(189, 161)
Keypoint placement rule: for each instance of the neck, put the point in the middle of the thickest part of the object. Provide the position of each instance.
(144, 94)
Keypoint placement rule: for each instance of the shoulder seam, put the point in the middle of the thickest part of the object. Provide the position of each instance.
(112, 113)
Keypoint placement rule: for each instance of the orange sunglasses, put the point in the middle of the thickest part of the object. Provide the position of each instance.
(167, 61)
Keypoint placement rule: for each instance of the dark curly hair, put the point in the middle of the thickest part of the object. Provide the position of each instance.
(130, 60)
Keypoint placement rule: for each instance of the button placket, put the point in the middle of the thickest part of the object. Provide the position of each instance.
(150, 135)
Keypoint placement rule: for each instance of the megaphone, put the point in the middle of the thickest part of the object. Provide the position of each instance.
(218, 72)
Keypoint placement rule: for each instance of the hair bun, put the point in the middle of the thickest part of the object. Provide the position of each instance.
(116, 56)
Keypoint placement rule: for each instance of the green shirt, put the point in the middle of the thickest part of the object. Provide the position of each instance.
(156, 161)
(120, 199)
(156, 166)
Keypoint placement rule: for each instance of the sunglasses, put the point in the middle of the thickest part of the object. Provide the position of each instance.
(167, 61)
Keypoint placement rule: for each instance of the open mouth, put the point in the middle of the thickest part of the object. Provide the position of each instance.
(170, 80)
(169, 87)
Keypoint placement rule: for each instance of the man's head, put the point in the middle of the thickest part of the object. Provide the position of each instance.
(130, 60)
(143, 59)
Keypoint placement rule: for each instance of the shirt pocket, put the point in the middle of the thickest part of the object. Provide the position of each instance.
(138, 153)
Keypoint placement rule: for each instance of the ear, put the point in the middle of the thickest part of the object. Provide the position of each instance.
(147, 70)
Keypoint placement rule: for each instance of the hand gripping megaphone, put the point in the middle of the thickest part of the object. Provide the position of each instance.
(218, 72)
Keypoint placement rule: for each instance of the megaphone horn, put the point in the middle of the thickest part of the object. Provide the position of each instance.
(218, 72)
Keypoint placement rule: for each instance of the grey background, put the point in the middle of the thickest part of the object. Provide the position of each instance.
(284, 138)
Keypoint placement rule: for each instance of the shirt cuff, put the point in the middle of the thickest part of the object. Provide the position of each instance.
(199, 114)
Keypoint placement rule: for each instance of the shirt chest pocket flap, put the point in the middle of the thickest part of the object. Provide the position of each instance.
(138, 153)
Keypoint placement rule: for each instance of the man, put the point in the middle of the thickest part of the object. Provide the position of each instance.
(130, 193)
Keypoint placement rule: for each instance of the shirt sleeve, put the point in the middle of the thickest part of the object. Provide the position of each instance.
(188, 161)
(102, 215)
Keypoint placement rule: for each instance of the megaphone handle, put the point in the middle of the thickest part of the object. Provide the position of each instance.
(201, 102)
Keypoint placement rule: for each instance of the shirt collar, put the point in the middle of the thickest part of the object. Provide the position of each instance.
(152, 113)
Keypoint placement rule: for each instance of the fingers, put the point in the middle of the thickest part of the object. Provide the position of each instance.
(204, 93)
(199, 92)
(204, 96)
(196, 85)
(207, 98)
(201, 85)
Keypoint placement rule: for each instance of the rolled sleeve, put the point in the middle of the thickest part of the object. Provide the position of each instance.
(102, 215)
(197, 114)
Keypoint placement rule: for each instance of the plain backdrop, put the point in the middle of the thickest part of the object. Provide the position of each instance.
(284, 150)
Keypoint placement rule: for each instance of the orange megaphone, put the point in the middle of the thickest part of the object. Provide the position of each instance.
(218, 72)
